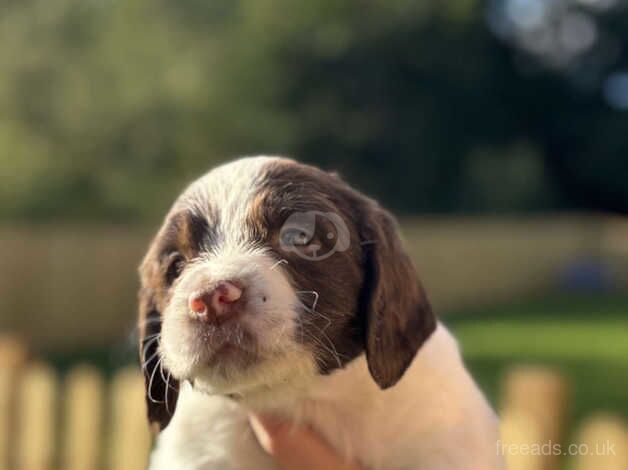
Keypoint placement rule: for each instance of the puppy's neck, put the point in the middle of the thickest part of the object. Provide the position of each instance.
(338, 406)
(349, 389)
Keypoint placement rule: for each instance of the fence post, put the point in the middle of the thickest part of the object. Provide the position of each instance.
(131, 439)
(36, 418)
(12, 358)
(603, 444)
(6, 394)
(518, 433)
(83, 419)
(541, 395)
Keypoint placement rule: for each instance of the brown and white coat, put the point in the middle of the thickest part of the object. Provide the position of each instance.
(331, 328)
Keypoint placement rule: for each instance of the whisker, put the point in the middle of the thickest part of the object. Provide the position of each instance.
(147, 345)
(324, 317)
(321, 315)
(334, 353)
(166, 393)
(150, 384)
(314, 293)
(331, 349)
(161, 371)
(146, 338)
(149, 360)
(323, 335)
(281, 261)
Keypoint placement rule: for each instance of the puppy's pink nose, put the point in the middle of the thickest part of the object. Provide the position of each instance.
(215, 302)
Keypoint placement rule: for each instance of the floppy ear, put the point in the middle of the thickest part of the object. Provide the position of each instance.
(161, 389)
(398, 315)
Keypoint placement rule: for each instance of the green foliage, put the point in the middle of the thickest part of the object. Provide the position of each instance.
(110, 106)
(102, 104)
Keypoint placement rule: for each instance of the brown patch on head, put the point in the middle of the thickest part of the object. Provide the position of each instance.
(185, 232)
(258, 213)
(191, 232)
(364, 297)
(329, 289)
(180, 240)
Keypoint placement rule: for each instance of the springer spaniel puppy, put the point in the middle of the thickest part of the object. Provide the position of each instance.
(273, 286)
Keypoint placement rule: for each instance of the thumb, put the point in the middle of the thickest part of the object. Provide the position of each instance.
(296, 448)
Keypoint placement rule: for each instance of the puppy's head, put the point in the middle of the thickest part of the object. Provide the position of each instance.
(267, 273)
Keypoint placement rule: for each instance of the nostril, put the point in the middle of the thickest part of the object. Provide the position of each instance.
(198, 305)
(227, 292)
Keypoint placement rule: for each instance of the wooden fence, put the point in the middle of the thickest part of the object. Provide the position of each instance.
(76, 422)
(83, 422)
(534, 436)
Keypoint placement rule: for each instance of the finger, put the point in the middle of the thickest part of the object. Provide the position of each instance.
(296, 447)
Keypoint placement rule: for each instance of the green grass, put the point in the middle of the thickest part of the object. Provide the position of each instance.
(585, 338)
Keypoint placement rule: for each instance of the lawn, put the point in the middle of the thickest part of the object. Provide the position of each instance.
(586, 338)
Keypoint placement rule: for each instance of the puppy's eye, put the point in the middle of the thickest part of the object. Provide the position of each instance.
(176, 262)
(296, 237)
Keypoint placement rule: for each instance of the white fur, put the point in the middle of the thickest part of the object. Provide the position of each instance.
(222, 196)
(435, 418)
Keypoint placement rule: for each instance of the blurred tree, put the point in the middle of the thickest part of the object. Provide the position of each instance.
(108, 107)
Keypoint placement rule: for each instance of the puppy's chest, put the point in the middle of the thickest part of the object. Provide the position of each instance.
(227, 442)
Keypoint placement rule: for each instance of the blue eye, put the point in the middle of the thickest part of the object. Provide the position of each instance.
(296, 237)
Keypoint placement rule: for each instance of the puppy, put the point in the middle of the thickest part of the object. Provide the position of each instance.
(275, 287)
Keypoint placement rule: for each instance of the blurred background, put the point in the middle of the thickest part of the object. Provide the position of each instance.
(496, 130)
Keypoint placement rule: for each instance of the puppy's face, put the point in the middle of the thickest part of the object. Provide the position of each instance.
(267, 273)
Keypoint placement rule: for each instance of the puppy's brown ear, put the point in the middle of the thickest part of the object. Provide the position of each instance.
(398, 315)
(162, 390)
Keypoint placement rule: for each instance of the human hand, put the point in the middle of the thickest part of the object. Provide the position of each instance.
(296, 448)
